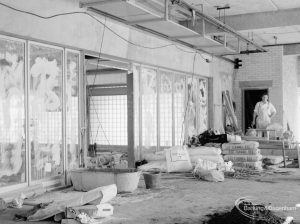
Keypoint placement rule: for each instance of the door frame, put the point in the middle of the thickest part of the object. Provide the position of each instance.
(243, 102)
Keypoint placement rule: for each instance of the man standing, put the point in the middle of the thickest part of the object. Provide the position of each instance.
(263, 113)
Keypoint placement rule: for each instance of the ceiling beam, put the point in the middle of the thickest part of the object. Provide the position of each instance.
(255, 21)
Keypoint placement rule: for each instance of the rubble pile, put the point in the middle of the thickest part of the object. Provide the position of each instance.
(246, 213)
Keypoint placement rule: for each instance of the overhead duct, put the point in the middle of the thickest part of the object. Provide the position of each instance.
(176, 21)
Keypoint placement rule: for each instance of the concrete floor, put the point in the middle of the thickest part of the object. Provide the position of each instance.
(184, 200)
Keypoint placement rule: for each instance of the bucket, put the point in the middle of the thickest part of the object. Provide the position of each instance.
(152, 179)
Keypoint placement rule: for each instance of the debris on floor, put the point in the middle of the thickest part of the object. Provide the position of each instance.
(209, 175)
(245, 212)
(60, 207)
(108, 160)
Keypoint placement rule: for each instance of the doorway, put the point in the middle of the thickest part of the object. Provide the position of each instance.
(107, 106)
(251, 97)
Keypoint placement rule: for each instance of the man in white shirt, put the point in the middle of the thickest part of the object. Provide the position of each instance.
(263, 113)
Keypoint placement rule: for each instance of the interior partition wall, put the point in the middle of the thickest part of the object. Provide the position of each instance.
(39, 117)
(169, 107)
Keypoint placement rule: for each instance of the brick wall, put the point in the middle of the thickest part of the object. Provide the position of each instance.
(261, 67)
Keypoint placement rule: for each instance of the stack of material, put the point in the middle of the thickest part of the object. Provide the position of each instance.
(211, 154)
(155, 161)
(158, 161)
(243, 155)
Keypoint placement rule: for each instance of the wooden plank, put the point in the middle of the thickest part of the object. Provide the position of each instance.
(298, 152)
(229, 107)
(211, 104)
(108, 91)
(270, 146)
(111, 148)
(130, 120)
(292, 154)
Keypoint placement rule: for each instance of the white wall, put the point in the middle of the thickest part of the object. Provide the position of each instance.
(82, 31)
(290, 93)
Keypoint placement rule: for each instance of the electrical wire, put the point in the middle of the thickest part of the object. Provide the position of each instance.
(99, 21)
(98, 61)
(188, 100)
(122, 38)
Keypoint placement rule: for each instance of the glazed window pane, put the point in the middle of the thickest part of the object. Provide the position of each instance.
(149, 108)
(165, 108)
(72, 94)
(12, 113)
(45, 111)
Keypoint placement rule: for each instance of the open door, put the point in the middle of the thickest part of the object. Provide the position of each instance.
(251, 97)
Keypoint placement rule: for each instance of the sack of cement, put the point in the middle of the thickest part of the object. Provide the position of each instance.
(272, 160)
(178, 159)
(203, 150)
(154, 165)
(218, 159)
(241, 151)
(209, 175)
(243, 145)
(248, 165)
(243, 158)
(158, 156)
(108, 193)
(205, 165)
(234, 138)
(93, 211)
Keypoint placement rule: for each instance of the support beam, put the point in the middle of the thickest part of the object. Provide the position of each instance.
(220, 25)
(254, 21)
(130, 120)
(97, 3)
(109, 71)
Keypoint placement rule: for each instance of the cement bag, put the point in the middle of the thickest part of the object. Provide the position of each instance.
(154, 165)
(205, 165)
(68, 200)
(243, 158)
(215, 159)
(158, 156)
(243, 145)
(248, 165)
(241, 152)
(234, 138)
(203, 150)
(109, 192)
(209, 175)
(272, 160)
(251, 132)
(178, 159)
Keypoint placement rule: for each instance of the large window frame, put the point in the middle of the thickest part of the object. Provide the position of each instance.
(24, 184)
(62, 179)
(138, 68)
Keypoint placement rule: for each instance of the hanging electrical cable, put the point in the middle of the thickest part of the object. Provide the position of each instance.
(188, 100)
(103, 24)
(90, 94)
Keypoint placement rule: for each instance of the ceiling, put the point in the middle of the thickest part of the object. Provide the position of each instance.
(238, 7)
(285, 33)
(257, 22)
